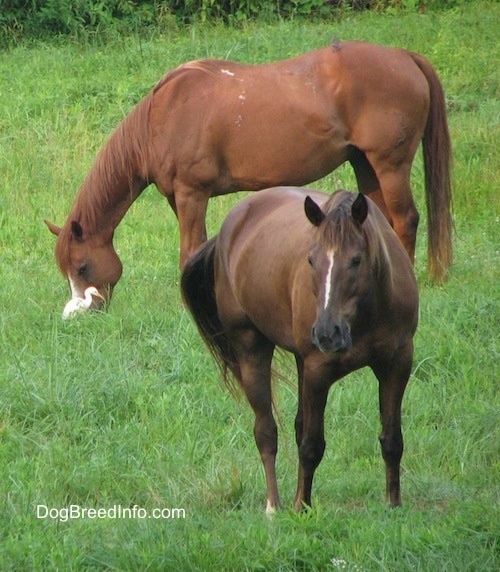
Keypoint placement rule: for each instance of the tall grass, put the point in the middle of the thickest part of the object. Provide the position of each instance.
(126, 409)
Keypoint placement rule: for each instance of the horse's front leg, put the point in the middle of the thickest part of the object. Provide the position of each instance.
(191, 209)
(299, 419)
(254, 359)
(393, 377)
(314, 395)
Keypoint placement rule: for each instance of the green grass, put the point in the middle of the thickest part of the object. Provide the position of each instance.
(126, 408)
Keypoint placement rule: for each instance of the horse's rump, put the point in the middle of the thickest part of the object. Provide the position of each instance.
(198, 292)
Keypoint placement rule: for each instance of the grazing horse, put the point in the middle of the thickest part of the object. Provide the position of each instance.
(334, 286)
(213, 127)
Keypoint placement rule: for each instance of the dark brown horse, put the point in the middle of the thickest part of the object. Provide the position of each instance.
(336, 289)
(214, 127)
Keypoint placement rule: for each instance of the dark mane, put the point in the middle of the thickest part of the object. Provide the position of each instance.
(339, 228)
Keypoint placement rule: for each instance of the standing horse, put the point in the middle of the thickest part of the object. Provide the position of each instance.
(214, 127)
(340, 294)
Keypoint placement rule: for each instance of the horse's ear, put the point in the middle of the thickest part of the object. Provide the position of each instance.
(76, 230)
(313, 211)
(359, 209)
(55, 230)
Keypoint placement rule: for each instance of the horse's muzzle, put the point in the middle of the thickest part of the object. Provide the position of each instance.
(335, 338)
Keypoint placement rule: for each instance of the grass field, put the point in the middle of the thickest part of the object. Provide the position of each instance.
(125, 409)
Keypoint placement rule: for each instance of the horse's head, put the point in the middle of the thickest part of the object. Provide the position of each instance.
(87, 260)
(340, 266)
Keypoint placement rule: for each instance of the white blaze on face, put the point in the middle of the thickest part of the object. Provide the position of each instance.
(73, 288)
(328, 278)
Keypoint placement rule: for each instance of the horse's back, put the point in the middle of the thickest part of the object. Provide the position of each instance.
(381, 73)
(273, 217)
(323, 103)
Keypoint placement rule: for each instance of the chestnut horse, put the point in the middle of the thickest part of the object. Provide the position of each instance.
(334, 287)
(214, 127)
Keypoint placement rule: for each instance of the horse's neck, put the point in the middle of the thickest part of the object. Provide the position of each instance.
(102, 203)
(119, 174)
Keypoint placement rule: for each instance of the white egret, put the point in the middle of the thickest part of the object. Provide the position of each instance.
(79, 305)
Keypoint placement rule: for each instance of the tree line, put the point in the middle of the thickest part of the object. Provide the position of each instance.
(29, 19)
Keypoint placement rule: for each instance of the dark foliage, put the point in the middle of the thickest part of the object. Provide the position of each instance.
(47, 18)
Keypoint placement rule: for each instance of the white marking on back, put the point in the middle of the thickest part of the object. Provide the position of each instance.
(328, 280)
(227, 72)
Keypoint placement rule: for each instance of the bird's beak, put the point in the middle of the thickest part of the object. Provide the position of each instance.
(101, 304)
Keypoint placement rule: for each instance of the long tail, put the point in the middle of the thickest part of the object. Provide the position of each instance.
(198, 292)
(436, 145)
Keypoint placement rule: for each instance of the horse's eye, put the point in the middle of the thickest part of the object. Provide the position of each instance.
(356, 261)
(82, 270)
(310, 260)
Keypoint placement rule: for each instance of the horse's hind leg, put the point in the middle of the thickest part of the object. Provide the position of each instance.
(254, 358)
(389, 188)
(398, 200)
(393, 377)
(367, 180)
